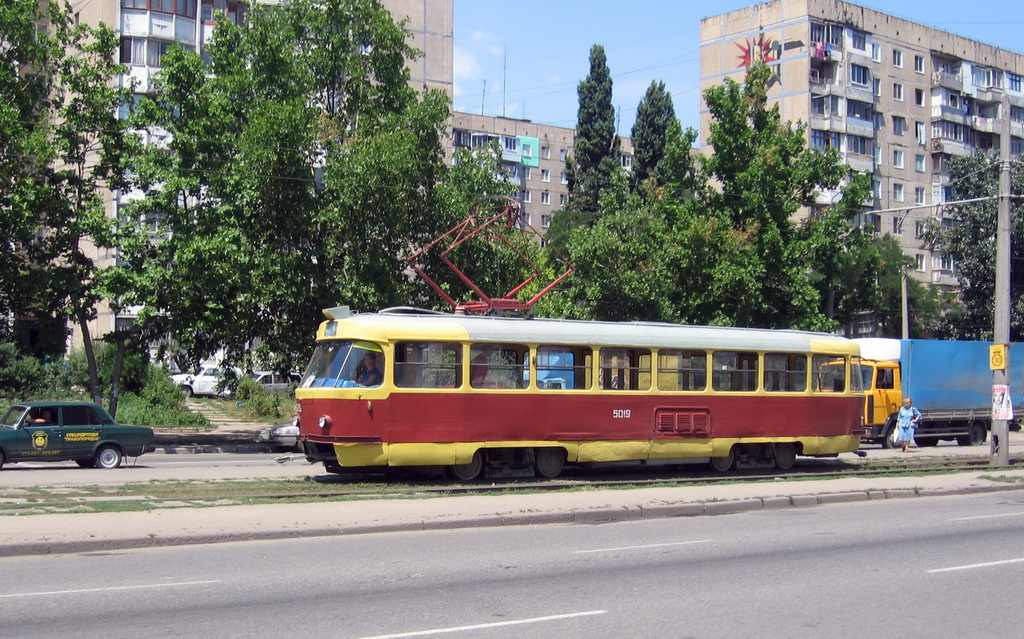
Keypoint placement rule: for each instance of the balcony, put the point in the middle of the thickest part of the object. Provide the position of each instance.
(861, 163)
(986, 125)
(989, 94)
(950, 114)
(859, 93)
(953, 147)
(948, 80)
(863, 128)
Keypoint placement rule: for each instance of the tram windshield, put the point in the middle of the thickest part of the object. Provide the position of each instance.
(343, 364)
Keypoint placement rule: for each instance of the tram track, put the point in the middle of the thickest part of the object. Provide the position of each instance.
(641, 477)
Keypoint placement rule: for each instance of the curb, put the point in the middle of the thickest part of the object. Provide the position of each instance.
(591, 516)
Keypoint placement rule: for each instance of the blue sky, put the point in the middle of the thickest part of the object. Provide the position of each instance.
(531, 54)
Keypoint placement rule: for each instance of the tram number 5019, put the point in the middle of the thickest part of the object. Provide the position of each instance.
(621, 413)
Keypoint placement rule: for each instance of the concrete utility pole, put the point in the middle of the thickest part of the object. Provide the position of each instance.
(1000, 447)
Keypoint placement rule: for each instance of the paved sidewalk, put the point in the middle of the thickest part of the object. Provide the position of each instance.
(71, 533)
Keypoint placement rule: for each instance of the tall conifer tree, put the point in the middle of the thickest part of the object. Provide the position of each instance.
(654, 116)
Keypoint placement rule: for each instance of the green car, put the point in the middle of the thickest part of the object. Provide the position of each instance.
(62, 431)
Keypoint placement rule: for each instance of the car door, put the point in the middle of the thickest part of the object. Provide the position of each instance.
(40, 436)
(82, 429)
(206, 382)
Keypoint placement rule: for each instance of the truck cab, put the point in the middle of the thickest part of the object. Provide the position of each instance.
(882, 399)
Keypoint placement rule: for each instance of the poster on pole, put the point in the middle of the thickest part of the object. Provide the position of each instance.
(1002, 407)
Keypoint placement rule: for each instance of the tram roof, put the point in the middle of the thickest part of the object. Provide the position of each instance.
(403, 324)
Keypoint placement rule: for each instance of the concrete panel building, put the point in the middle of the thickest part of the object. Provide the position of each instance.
(895, 97)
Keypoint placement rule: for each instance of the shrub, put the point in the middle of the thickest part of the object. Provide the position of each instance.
(25, 377)
(141, 411)
(257, 400)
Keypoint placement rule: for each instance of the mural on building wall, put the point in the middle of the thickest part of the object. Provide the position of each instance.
(759, 49)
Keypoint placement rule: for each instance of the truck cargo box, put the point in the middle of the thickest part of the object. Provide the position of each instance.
(955, 375)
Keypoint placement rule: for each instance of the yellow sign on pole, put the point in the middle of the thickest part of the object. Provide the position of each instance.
(997, 357)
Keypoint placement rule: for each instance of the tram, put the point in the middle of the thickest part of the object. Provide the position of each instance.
(513, 396)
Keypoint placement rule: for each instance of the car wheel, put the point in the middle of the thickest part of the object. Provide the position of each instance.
(188, 391)
(108, 457)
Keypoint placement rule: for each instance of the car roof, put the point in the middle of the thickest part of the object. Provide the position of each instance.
(57, 404)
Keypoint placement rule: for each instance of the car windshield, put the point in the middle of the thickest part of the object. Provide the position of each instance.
(335, 363)
(12, 416)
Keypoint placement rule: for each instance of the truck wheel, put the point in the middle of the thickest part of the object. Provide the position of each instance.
(975, 435)
(890, 441)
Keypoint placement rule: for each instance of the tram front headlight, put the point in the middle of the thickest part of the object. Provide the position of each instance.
(325, 421)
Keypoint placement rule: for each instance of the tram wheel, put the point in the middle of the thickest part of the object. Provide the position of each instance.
(470, 471)
(549, 462)
(785, 456)
(723, 464)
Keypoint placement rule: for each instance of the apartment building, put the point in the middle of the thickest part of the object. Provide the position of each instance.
(148, 28)
(895, 97)
(533, 156)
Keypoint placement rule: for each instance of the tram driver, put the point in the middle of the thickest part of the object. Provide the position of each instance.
(367, 374)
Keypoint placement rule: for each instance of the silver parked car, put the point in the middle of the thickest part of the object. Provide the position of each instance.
(276, 382)
(284, 435)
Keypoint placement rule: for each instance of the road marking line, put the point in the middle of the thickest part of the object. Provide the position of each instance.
(73, 592)
(675, 543)
(987, 516)
(984, 565)
(483, 626)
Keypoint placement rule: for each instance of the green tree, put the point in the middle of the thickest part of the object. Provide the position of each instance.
(298, 176)
(69, 152)
(596, 150)
(970, 243)
(654, 116)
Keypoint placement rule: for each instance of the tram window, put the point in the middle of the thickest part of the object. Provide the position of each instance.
(828, 373)
(733, 371)
(682, 370)
(625, 369)
(856, 375)
(564, 367)
(785, 373)
(428, 364)
(335, 363)
(498, 365)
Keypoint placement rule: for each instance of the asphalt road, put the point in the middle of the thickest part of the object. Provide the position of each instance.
(938, 567)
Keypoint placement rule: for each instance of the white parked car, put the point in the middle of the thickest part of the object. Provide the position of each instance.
(285, 435)
(205, 383)
(276, 382)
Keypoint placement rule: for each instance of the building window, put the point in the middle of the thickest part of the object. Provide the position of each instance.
(563, 155)
(545, 221)
(545, 175)
(897, 159)
(827, 34)
(527, 150)
(1016, 145)
(626, 161)
(876, 52)
(185, 8)
(942, 263)
(859, 75)
(527, 196)
(563, 178)
(513, 170)
(918, 195)
(562, 199)
(876, 155)
(858, 40)
(545, 153)
(1014, 81)
(899, 124)
(919, 133)
(919, 163)
(1016, 113)
(919, 97)
(859, 145)
(897, 192)
(897, 225)
(897, 91)
(982, 77)
(876, 189)
(824, 139)
(859, 110)
(545, 197)
(919, 258)
(511, 144)
(527, 172)
(876, 86)
(897, 58)
(919, 63)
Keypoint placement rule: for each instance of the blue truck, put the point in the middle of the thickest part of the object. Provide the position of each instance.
(950, 382)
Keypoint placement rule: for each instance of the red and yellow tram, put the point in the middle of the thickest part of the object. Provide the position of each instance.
(508, 396)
